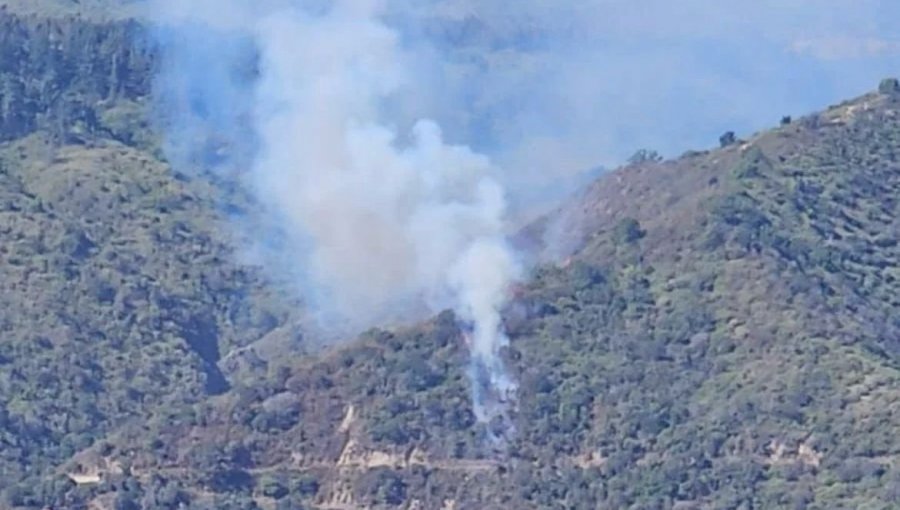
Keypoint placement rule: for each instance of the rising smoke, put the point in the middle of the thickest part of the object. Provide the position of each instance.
(380, 220)
(315, 107)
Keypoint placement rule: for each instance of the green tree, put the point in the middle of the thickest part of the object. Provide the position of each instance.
(627, 231)
(645, 156)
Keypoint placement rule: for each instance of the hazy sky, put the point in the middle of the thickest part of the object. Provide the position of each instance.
(399, 138)
(605, 77)
(549, 88)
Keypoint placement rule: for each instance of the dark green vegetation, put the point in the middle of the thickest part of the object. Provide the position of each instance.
(725, 334)
(119, 293)
(71, 79)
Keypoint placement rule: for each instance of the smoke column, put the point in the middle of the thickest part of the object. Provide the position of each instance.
(380, 224)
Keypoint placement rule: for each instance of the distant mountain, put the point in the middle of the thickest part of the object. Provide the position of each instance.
(718, 331)
(94, 9)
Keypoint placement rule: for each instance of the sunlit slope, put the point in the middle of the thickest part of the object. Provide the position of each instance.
(716, 331)
(722, 335)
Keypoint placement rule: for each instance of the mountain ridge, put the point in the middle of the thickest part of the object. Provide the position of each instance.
(714, 331)
(634, 343)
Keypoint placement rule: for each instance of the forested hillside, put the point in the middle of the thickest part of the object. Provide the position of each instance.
(120, 293)
(717, 331)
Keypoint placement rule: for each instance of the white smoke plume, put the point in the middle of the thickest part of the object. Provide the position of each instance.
(379, 215)
(383, 224)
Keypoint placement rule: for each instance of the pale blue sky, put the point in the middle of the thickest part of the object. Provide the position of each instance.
(551, 88)
(597, 79)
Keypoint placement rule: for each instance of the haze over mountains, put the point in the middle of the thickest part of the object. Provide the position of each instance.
(717, 330)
